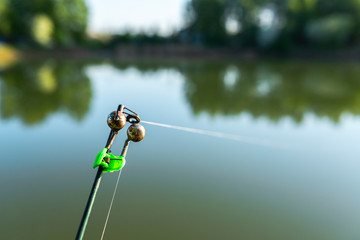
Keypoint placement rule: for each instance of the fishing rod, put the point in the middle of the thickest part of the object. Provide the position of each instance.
(107, 162)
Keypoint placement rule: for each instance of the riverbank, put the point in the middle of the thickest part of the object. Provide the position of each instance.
(8, 54)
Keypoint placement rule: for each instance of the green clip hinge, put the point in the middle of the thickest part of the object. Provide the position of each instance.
(115, 164)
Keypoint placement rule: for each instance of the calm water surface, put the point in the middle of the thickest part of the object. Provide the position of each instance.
(179, 185)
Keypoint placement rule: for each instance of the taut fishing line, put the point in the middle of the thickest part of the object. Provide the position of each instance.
(233, 137)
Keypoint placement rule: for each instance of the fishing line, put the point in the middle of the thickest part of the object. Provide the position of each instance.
(233, 137)
(112, 200)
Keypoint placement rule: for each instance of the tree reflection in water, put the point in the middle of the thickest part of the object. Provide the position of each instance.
(33, 91)
(272, 89)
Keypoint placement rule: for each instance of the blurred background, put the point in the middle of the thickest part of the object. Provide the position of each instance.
(280, 71)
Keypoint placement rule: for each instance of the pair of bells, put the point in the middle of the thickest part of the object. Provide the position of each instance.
(117, 120)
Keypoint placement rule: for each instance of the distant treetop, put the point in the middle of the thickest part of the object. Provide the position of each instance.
(43, 22)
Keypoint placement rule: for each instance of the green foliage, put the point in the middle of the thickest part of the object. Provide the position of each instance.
(42, 29)
(20, 23)
(333, 30)
(140, 39)
(206, 21)
(289, 23)
(321, 22)
(70, 18)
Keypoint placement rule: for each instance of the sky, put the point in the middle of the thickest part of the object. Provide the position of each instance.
(111, 16)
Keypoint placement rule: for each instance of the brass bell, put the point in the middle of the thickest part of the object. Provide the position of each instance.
(136, 132)
(116, 120)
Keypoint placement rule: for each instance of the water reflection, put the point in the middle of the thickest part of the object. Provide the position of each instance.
(33, 91)
(274, 90)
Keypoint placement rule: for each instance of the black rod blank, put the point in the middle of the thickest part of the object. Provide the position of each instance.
(94, 189)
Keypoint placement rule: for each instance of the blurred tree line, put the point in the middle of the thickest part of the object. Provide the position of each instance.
(273, 24)
(139, 39)
(269, 25)
(43, 22)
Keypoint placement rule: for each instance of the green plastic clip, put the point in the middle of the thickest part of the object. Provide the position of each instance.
(115, 164)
